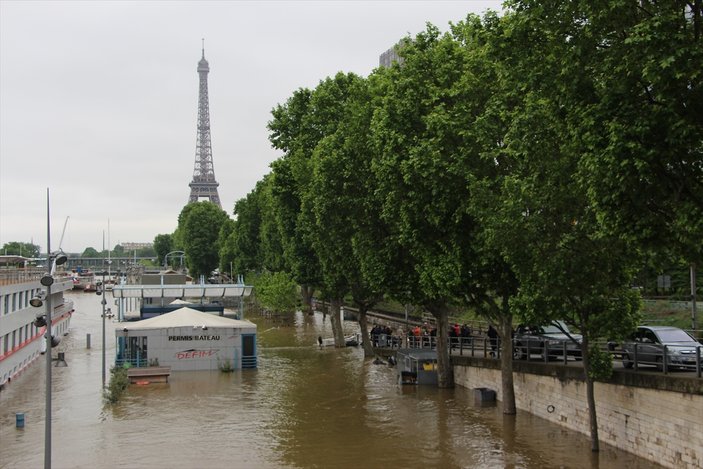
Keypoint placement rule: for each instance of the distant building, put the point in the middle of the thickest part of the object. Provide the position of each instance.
(135, 246)
(391, 55)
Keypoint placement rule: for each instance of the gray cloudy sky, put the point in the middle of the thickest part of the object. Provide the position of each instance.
(98, 100)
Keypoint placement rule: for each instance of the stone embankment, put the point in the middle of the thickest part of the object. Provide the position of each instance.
(655, 416)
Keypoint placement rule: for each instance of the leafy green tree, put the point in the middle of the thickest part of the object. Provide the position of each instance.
(244, 242)
(568, 264)
(178, 237)
(163, 244)
(339, 193)
(148, 251)
(20, 249)
(636, 111)
(272, 257)
(294, 132)
(485, 97)
(90, 252)
(227, 233)
(200, 225)
(425, 153)
(276, 291)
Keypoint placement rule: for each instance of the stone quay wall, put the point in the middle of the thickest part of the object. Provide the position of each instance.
(658, 418)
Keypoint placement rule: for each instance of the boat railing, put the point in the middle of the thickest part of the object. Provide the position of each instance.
(132, 362)
(14, 276)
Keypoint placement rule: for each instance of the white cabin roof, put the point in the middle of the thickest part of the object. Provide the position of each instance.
(207, 290)
(187, 317)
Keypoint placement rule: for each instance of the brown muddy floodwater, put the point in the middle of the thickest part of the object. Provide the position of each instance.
(304, 407)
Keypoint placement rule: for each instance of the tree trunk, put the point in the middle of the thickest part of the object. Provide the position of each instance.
(445, 373)
(335, 320)
(506, 364)
(306, 292)
(364, 327)
(590, 396)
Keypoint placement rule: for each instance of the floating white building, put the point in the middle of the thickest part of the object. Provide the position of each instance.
(187, 339)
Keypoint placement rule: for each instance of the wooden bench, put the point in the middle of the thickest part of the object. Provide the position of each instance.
(149, 374)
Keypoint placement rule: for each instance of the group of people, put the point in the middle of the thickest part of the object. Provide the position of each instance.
(425, 335)
(459, 334)
(382, 336)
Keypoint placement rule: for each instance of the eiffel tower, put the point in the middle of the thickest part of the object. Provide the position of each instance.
(203, 184)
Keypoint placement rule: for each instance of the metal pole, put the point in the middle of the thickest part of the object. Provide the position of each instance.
(103, 303)
(47, 424)
(693, 300)
(47, 418)
(407, 325)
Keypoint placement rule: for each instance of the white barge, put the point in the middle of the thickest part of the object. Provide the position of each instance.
(21, 341)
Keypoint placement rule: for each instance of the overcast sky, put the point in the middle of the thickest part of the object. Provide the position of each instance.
(98, 101)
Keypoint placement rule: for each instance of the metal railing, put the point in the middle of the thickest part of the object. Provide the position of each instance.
(665, 358)
(132, 362)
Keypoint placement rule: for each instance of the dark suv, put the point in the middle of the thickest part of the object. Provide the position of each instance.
(647, 345)
(550, 341)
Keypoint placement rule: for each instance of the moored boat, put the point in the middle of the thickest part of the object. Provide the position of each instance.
(21, 341)
(83, 279)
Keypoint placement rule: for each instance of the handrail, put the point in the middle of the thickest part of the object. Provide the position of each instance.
(481, 346)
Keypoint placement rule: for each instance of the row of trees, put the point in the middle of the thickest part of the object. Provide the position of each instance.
(525, 166)
(33, 251)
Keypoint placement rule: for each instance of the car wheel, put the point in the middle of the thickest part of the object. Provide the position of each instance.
(626, 362)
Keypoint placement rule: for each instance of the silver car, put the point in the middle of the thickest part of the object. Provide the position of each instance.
(648, 343)
(550, 341)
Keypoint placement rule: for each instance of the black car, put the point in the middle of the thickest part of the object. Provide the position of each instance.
(550, 341)
(647, 344)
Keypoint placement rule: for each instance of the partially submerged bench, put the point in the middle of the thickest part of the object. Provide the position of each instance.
(149, 374)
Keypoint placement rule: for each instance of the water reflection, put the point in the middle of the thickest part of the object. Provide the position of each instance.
(305, 407)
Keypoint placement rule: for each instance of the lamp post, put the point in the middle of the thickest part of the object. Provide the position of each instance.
(52, 260)
(103, 302)
(47, 280)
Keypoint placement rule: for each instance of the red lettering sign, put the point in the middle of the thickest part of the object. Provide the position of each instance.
(190, 354)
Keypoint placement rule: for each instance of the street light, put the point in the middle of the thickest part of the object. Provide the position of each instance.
(52, 260)
(103, 302)
(39, 300)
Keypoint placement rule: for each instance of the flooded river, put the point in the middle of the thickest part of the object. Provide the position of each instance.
(305, 407)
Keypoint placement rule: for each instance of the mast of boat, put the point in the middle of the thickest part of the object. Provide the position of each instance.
(109, 259)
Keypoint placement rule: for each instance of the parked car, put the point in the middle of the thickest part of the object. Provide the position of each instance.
(551, 339)
(647, 345)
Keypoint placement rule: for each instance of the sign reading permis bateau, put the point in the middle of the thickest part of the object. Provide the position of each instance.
(174, 338)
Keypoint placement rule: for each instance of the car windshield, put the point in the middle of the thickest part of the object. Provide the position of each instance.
(674, 335)
(553, 329)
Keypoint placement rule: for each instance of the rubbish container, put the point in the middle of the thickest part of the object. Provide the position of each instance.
(484, 396)
(19, 420)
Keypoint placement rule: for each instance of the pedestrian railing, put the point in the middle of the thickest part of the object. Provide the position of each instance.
(637, 358)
